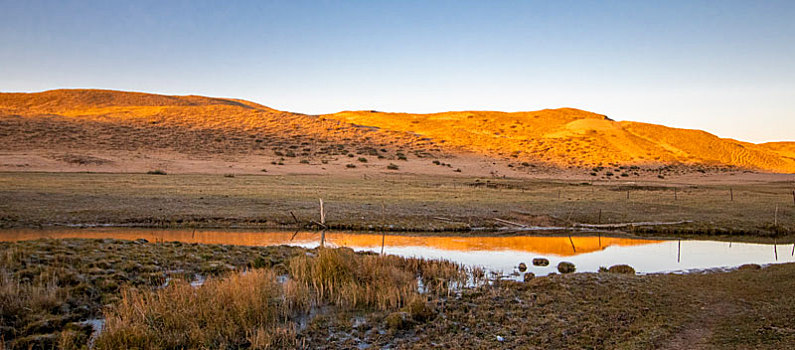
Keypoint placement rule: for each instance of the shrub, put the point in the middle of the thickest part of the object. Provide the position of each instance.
(392, 166)
(363, 159)
(156, 172)
(350, 166)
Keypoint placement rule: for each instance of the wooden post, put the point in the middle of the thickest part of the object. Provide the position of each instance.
(731, 194)
(775, 251)
(383, 232)
(793, 250)
(775, 218)
(322, 212)
(572, 244)
(600, 239)
(627, 194)
(322, 222)
(793, 197)
(679, 251)
(675, 193)
(558, 194)
(600, 217)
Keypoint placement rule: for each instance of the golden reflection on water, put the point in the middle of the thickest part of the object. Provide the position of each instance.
(556, 245)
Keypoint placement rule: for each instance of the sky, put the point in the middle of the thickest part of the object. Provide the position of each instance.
(724, 66)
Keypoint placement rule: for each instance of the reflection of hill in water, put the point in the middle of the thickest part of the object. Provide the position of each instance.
(561, 246)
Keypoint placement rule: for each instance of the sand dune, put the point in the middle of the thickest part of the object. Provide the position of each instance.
(59, 123)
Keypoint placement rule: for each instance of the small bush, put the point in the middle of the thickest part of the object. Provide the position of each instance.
(304, 161)
(624, 269)
(350, 166)
(156, 172)
(363, 159)
(392, 166)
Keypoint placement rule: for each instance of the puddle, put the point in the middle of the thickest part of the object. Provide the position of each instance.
(495, 254)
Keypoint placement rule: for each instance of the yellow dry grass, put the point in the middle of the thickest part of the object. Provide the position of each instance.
(254, 310)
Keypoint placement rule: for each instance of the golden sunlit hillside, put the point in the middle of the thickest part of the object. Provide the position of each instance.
(201, 127)
(193, 125)
(573, 138)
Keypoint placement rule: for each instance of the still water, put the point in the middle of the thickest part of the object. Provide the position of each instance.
(499, 254)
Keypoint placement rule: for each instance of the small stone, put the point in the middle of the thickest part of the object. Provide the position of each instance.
(500, 339)
(540, 262)
(749, 267)
(522, 267)
(566, 267)
(529, 276)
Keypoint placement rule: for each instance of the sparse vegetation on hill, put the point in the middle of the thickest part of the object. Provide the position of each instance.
(101, 120)
(113, 121)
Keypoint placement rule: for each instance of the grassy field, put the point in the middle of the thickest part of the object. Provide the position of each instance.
(52, 292)
(389, 202)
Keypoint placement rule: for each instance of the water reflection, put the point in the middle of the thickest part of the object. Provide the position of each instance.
(501, 254)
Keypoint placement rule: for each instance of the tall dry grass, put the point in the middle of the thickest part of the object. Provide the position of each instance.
(343, 278)
(20, 302)
(253, 309)
(241, 310)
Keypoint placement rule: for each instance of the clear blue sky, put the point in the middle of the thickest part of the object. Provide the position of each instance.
(727, 67)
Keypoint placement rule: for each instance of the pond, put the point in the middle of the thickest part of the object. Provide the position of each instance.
(499, 254)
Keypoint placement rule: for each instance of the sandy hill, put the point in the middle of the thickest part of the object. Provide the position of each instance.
(61, 122)
(193, 125)
(573, 138)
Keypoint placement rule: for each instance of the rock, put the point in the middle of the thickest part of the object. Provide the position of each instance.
(749, 267)
(566, 267)
(529, 276)
(141, 241)
(540, 262)
(500, 338)
(522, 267)
(625, 269)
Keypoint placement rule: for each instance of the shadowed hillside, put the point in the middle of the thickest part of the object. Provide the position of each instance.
(97, 121)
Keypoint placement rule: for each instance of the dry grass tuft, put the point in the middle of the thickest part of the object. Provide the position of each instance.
(239, 310)
(253, 309)
(341, 277)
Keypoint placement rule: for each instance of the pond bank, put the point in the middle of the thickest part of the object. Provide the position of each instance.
(70, 281)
